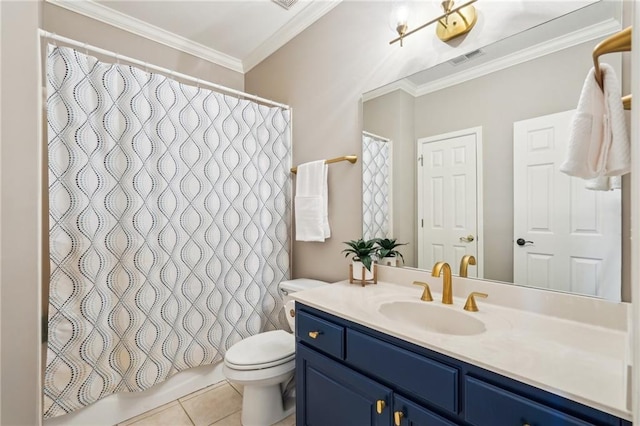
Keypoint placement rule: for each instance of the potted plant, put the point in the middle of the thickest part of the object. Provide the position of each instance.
(363, 252)
(386, 251)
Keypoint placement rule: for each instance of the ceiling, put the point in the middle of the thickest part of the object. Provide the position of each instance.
(237, 34)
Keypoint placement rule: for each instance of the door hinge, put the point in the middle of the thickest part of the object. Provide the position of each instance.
(420, 159)
(422, 223)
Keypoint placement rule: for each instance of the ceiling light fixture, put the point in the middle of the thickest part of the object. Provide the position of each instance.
(454, 22)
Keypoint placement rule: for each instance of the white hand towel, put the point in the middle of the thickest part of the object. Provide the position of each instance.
(325, 195)
(598, 141)
(604, 183)
(310, 202)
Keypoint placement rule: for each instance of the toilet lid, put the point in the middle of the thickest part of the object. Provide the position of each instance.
(263, 350)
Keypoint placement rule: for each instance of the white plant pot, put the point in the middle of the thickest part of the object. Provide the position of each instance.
(388, 261)
(358, 267)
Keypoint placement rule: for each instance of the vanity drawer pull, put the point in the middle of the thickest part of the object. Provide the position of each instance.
(380, 406)
(397, 418)
(320, 334)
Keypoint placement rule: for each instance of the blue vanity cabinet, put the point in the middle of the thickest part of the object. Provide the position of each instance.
(328, 393)
(348, 374)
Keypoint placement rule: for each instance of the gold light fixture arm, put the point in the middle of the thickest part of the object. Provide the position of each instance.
(444, 15)
(350, 158)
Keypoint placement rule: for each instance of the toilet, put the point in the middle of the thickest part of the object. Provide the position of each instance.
(264, 364)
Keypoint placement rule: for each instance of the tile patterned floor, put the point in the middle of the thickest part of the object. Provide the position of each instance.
(217, 405)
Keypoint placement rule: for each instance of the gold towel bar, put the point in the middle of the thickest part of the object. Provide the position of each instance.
(350, 158)
(619, 42)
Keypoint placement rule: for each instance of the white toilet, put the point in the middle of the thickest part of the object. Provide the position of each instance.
(264, 364)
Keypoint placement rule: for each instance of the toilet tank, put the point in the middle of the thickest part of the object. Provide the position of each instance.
(299, 284)
(291, 286)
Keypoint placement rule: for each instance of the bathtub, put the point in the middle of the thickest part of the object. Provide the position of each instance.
(122, 406)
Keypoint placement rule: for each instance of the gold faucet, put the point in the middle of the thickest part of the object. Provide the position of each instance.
(466, 260)
(447, 292)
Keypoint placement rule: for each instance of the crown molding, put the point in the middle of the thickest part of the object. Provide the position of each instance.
(303, 20)
(404, 85)
(584, 35)
(117, 19)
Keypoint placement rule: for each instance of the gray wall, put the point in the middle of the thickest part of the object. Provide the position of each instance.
(19, 214)
(322, 73)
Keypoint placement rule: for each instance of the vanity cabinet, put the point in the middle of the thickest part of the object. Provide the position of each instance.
(348, 374)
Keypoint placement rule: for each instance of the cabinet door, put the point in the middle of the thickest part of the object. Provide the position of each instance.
(331, 394)
(488, 405)
(407, 413)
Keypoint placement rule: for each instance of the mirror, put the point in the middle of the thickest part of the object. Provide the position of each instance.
(463, 179)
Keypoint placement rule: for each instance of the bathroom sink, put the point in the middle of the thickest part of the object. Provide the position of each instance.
(433, 317)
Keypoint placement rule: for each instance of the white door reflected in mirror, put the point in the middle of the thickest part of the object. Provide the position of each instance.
(449, 199)
(572, 235)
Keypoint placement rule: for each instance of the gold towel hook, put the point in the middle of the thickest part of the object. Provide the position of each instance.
(618, 42)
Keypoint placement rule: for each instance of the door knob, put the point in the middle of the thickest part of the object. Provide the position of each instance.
(522, 241)
(469, 238)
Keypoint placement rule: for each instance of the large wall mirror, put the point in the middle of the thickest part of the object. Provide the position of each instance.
(463, 158)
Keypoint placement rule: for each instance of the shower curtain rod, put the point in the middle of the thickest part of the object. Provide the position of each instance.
(373, 135)
(147, 66)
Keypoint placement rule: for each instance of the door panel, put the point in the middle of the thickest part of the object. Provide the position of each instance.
(448, 197)
(573, 234)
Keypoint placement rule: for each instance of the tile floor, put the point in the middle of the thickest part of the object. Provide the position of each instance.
(216, 405)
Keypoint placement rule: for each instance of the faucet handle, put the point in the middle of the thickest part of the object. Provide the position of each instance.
(471, 305)
(426, 294)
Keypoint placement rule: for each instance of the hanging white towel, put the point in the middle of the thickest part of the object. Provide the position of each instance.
(604, 183)
(311, 202)
(598, 141)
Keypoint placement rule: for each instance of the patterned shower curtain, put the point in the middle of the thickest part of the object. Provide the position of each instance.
(169, 218)
(376, 173)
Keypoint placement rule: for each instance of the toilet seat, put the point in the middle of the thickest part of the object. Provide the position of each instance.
(264, 350)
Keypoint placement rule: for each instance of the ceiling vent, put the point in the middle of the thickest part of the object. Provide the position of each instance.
(464, 58)
(285, 3)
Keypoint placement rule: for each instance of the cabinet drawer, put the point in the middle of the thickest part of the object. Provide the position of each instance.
(415, 375)
(489, 405)
(415, 415)
(320, 334)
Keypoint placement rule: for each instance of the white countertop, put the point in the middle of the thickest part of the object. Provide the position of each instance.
(582, 362)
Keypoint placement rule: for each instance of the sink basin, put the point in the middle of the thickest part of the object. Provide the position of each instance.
(433, 317)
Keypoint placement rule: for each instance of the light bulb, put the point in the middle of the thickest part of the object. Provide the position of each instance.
(399, 16)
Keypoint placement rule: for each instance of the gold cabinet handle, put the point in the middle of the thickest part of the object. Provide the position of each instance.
(397, 417)
(426, 294)
(380, 404)
(471, 305)
(314, 334)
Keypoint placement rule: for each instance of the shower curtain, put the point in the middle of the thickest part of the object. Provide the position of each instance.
(169, 217)
(376, 173)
